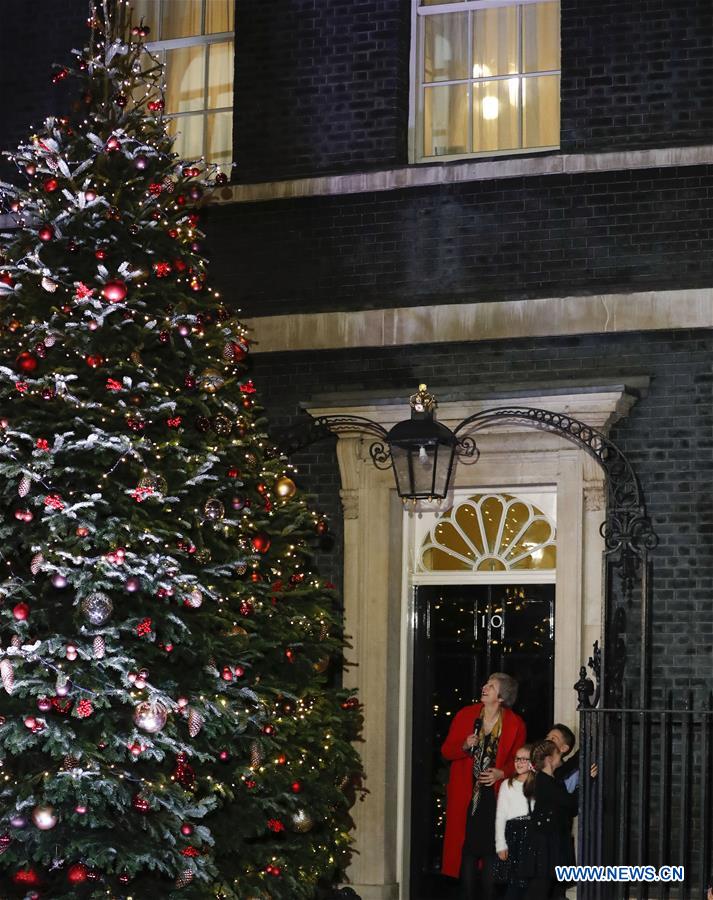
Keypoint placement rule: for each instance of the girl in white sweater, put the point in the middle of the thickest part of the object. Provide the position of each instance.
(511, 819)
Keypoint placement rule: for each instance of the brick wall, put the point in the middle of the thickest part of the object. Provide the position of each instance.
(636, 74)
(33, 36)
(320, 87)
(668, 436)
(548, 236)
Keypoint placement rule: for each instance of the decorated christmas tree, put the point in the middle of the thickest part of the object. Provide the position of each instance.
(169, 724)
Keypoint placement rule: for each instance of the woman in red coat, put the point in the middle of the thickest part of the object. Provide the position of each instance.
(481, 746)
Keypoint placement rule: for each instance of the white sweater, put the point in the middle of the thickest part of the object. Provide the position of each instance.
(511, 804)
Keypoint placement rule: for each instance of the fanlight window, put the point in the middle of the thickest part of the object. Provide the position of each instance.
(490, 533)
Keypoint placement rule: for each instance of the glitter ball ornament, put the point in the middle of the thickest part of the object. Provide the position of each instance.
(285, 488)
(140, 804)
(156, 483)
(44, 817)
(184, 879)
(213, 509)
(97, 608)
(150, 716)
(5, 841)
(77, 874)
(221, 425)
(211, 381)
(301, 821)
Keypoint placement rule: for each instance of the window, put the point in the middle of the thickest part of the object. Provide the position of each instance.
(195, 39)
(488, 77)
(490, 533)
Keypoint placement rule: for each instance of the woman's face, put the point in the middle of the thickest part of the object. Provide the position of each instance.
(491, 691)
(522, 761)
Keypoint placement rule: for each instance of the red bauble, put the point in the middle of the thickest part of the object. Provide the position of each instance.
(233, 472)
(77, 874)
(26, 362)
(141, 804)
(46, 233)
(155, 105)
(186, 829)
(224, 756)
(21, 612)
(261, 542)
(113, 144)
(28, 877)
(221, 178)
(95, 361)
(100, 253)
(296, 787)
(50, 185)
(6, 278)
(115, 291)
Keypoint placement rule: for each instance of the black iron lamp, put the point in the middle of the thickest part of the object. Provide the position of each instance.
(420, 450)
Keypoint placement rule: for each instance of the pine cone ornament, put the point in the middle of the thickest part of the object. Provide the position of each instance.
(195, 722)
(36, 563)
(5, 841)
(184, 879)
(99, 647)
(8, 675)
(16, 641)
(69, 762)
(255, 755)
(23, 488)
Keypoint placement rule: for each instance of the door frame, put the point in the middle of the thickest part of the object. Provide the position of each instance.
(377, 603)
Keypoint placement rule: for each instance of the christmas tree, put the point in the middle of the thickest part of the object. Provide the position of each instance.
(169, 724)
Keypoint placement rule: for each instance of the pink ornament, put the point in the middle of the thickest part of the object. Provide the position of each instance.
(115, 291)
(21, 611)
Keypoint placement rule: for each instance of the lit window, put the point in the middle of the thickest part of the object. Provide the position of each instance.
(488, 77)
(196, 39)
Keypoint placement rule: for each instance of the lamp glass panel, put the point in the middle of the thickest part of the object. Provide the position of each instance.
(400, 460)
(445, 120)
(495, 49)
(444, 462)
(445, 48)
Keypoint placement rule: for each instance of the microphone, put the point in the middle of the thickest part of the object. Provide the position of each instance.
(477, 726)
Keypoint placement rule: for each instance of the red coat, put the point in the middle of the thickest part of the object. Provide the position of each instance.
(460, 781)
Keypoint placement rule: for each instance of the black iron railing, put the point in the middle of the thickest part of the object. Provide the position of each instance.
(651, 803)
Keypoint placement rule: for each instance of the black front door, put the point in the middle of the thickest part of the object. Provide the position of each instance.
(463, 633)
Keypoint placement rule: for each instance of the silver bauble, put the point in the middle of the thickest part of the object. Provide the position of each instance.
(213, 509)
(150, 716)
(301, 821)
(97, 608)
(44, 817)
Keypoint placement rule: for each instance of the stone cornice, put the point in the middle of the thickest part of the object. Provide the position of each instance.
(425, 174)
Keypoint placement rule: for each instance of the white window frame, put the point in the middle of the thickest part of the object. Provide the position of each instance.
(415, 136)
(198, 40)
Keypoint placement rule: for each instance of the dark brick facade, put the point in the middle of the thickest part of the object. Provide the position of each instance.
(320, 87)
(33, 36)
(534, 237)
(636, 74)
(668, 436)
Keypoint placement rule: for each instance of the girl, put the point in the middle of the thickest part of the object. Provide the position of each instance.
(511, 823)
(550, 829)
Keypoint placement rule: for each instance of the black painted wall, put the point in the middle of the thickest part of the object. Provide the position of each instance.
(668, 436)
(494, 240)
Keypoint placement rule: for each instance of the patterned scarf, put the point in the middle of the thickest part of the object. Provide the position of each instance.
(484, 754)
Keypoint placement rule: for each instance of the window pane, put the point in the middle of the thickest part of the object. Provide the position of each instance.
(495, 41)
(437, 2)
(541, 37)
(220, 75)
(220, 139)
(446, 47)
(445, 120)
(495, 115)
(180, 18)
(185, 74)
(541, 111)
(189, 140)
(219, 16)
